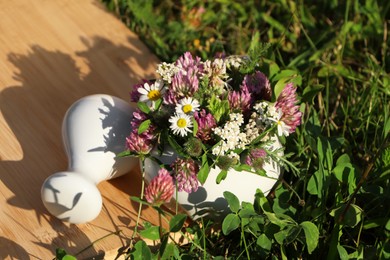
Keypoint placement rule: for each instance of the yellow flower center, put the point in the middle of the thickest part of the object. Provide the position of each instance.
(154, 95)
(187, 108)
(181, 123)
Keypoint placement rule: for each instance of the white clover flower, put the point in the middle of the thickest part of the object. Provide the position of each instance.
(180, 124)
(166, 71)
(216, 72)
(187, 106)
(151, 93)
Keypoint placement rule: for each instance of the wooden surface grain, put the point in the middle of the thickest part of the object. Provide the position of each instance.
(53, 52)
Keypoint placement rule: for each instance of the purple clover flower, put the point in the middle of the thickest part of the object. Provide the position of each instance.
(184, 84)
(160, 190)
(240, 100)
(138, 144)
(286, 103)
(206, 123)
(138, 118)
(187, 62)
(256, 158)
(185, 174)
(258, 85)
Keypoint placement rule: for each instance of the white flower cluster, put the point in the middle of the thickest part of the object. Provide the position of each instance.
(235, 61)
(268, 115)
(231, 136)
(166, 71)
(252, 128)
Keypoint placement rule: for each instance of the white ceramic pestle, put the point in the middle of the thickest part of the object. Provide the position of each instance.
(94, 131)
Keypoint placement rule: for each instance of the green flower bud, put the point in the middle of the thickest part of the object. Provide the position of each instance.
(193, 147)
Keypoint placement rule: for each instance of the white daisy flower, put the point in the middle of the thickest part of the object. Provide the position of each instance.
(180, 124)
(151, 93)
(187, 106)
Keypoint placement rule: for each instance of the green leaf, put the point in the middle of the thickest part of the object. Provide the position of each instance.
(342, 171)
(311, 235)
(69, 257)
(143, 107)
(262, 201)
(377, 222)
(343, 254)
(273, 69)
(195, 127)
(314, 186)
(144, 126)
(351, 217)
(218, 108)
(230, 223)
(344, 158)
(386, 128)
(152, 233)
(311, 91)
(177, 222)
(124, 154)
(247, 213)
(157, 104)
(163, 243)
(136, 199)
(178, 148)
(283, 252)
(204, 170)
(221, 176)
(276, 220)
(243, 167)
(293, 233)
(141, 251)
(281, 236)
(169, 252)
(232, 200)
(264, 242)
(285, 74)
(60, 253)
(279, 86)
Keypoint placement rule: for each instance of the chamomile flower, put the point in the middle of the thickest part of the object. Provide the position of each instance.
(180, 124)
(187, 106)
(150, 93)
(283, 128)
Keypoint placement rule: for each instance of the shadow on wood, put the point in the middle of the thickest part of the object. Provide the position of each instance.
(43, 77)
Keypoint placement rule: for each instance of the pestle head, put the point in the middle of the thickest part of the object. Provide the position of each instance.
(71, 197)
(94, 131)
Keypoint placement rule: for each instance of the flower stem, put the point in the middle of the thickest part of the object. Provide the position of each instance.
(141, 197)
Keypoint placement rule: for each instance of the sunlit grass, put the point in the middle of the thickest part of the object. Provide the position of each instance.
(341, 51)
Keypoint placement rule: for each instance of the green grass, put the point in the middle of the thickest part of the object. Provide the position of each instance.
(341, 150)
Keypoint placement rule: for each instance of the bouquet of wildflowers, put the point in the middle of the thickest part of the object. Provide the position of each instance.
(222, 112)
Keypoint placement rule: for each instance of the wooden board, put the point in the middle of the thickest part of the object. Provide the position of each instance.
(53, 52)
